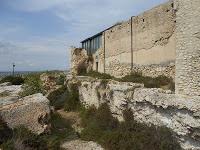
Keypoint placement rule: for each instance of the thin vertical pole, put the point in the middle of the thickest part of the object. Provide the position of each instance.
(131, 44)
(13, 69)
(104, 51)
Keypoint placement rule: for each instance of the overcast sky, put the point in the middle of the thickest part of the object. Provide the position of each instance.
(37, 34)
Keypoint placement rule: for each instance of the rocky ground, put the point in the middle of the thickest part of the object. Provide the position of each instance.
(30, 111)
(81, 145)
(33, 111)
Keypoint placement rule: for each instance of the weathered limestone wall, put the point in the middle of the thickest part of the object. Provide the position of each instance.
(150, 106)
(153, 41)
(79, 60)
(188, 47)
(118, 49)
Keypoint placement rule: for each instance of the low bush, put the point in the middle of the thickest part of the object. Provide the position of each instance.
(59, 97)
(32, 85)
(60, 80)
(101, 127)
(5, 132)
(22, 138)
(150, 82)
(73, 102)
(65, 98)
(14, 80)
(98, 75)
(61, 130)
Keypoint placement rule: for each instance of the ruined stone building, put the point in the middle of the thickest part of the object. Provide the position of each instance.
(160, 41)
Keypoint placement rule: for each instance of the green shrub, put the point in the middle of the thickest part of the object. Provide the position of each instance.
(98, 75)
(101, 127)
(14, 80)
(150, 82)
(73, 102)
(61, 130)
(60, 80)
(22, 138)
(59, 97)
(96, 122)
(5, 131)
(32, 85)
(65, 98)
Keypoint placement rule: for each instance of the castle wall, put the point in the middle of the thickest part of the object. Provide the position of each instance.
(118, 49)
(188, 47)
(153, 41)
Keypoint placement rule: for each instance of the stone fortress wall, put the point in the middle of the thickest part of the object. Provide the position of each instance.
(162, 41)
(145, 40)
(188, 47)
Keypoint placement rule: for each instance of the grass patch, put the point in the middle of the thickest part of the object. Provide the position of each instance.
(5, 132)
(4, 94)
(102, 128)
(32, 85)
(22, 138)
(58, 97)
(14, 80)
(73, 102)
(66, 98)
(149, 82)
(98, 75)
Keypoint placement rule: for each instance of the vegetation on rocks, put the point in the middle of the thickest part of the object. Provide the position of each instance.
(149, 82)
(98, 75)
(101, 127)
(66, 98)
(22, 138)
(32, 85)
(14, 80)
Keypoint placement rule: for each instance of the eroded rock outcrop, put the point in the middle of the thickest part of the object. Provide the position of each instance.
(31, 112)
(81, 145)
(9, 93)
(150, 106)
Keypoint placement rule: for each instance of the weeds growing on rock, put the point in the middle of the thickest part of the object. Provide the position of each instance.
(73, 103)
(149, 82)
(101, 127)
(65, 98)
(59, 97)
(14, 80)
(98, 75)
(22, 138)
(32, 85)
